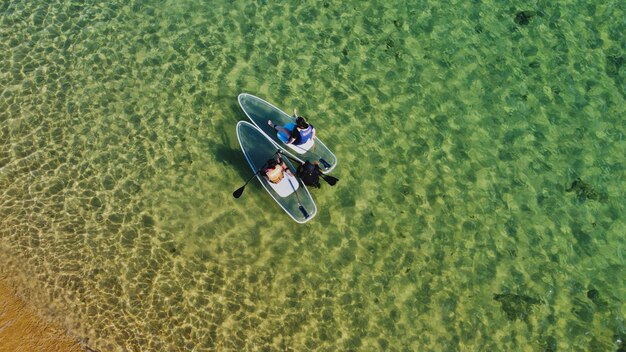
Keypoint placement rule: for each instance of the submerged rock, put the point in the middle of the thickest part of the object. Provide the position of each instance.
(593, 294)
(585, 191)
(516, 306)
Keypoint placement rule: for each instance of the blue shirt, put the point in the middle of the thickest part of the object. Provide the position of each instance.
(306, 134)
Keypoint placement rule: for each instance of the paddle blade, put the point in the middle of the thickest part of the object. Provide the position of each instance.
(330, 180)
(238, 192)
(306, 215)
(325, 163)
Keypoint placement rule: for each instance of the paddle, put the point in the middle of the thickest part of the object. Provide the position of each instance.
(239, 190)
(325, 163)
(329, 179)
(300, 206)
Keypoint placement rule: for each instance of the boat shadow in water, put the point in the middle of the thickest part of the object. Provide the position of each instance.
(234, 159)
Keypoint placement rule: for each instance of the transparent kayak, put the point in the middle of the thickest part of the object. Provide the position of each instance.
(290, 193)
(259, 111)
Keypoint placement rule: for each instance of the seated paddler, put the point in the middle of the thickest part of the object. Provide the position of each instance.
(310, 173)
(276, 169)
(298, 133)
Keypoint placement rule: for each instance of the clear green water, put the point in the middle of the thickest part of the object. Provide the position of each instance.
(458, 133)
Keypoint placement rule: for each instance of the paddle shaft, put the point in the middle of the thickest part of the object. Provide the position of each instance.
(239, 191)
(300, 206)
(250, 179)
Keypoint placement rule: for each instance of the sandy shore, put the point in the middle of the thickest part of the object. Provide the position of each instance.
(21, 329)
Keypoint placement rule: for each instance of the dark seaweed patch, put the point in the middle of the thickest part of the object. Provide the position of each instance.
(523, 18)
(549, 344)
(516, 306)
(614, 63)
(392, 48)
(585, 191)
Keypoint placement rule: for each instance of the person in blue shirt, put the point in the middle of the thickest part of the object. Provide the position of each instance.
(302, 132)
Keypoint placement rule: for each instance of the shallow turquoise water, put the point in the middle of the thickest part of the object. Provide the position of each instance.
(452, 227)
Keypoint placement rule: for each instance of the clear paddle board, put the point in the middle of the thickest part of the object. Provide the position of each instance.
(260, 111)
(292, 196)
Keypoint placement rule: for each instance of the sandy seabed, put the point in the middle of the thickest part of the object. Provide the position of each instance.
(21, 329)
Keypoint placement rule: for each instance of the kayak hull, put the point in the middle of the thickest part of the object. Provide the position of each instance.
(258, 149)
(259, 111)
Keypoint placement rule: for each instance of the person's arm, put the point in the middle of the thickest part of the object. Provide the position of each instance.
(287, 170)
(280, 161)
(294, 135)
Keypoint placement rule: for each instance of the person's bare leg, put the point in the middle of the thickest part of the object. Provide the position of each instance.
(279, 128)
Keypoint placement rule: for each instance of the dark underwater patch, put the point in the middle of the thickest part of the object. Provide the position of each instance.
(585, 191)
(593, 294)
(516, 306)
(614, 62)
(523, 18)
(549, 344)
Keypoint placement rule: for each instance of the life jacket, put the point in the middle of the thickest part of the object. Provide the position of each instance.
(305, 135)
(275, 175)
(309, 174)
